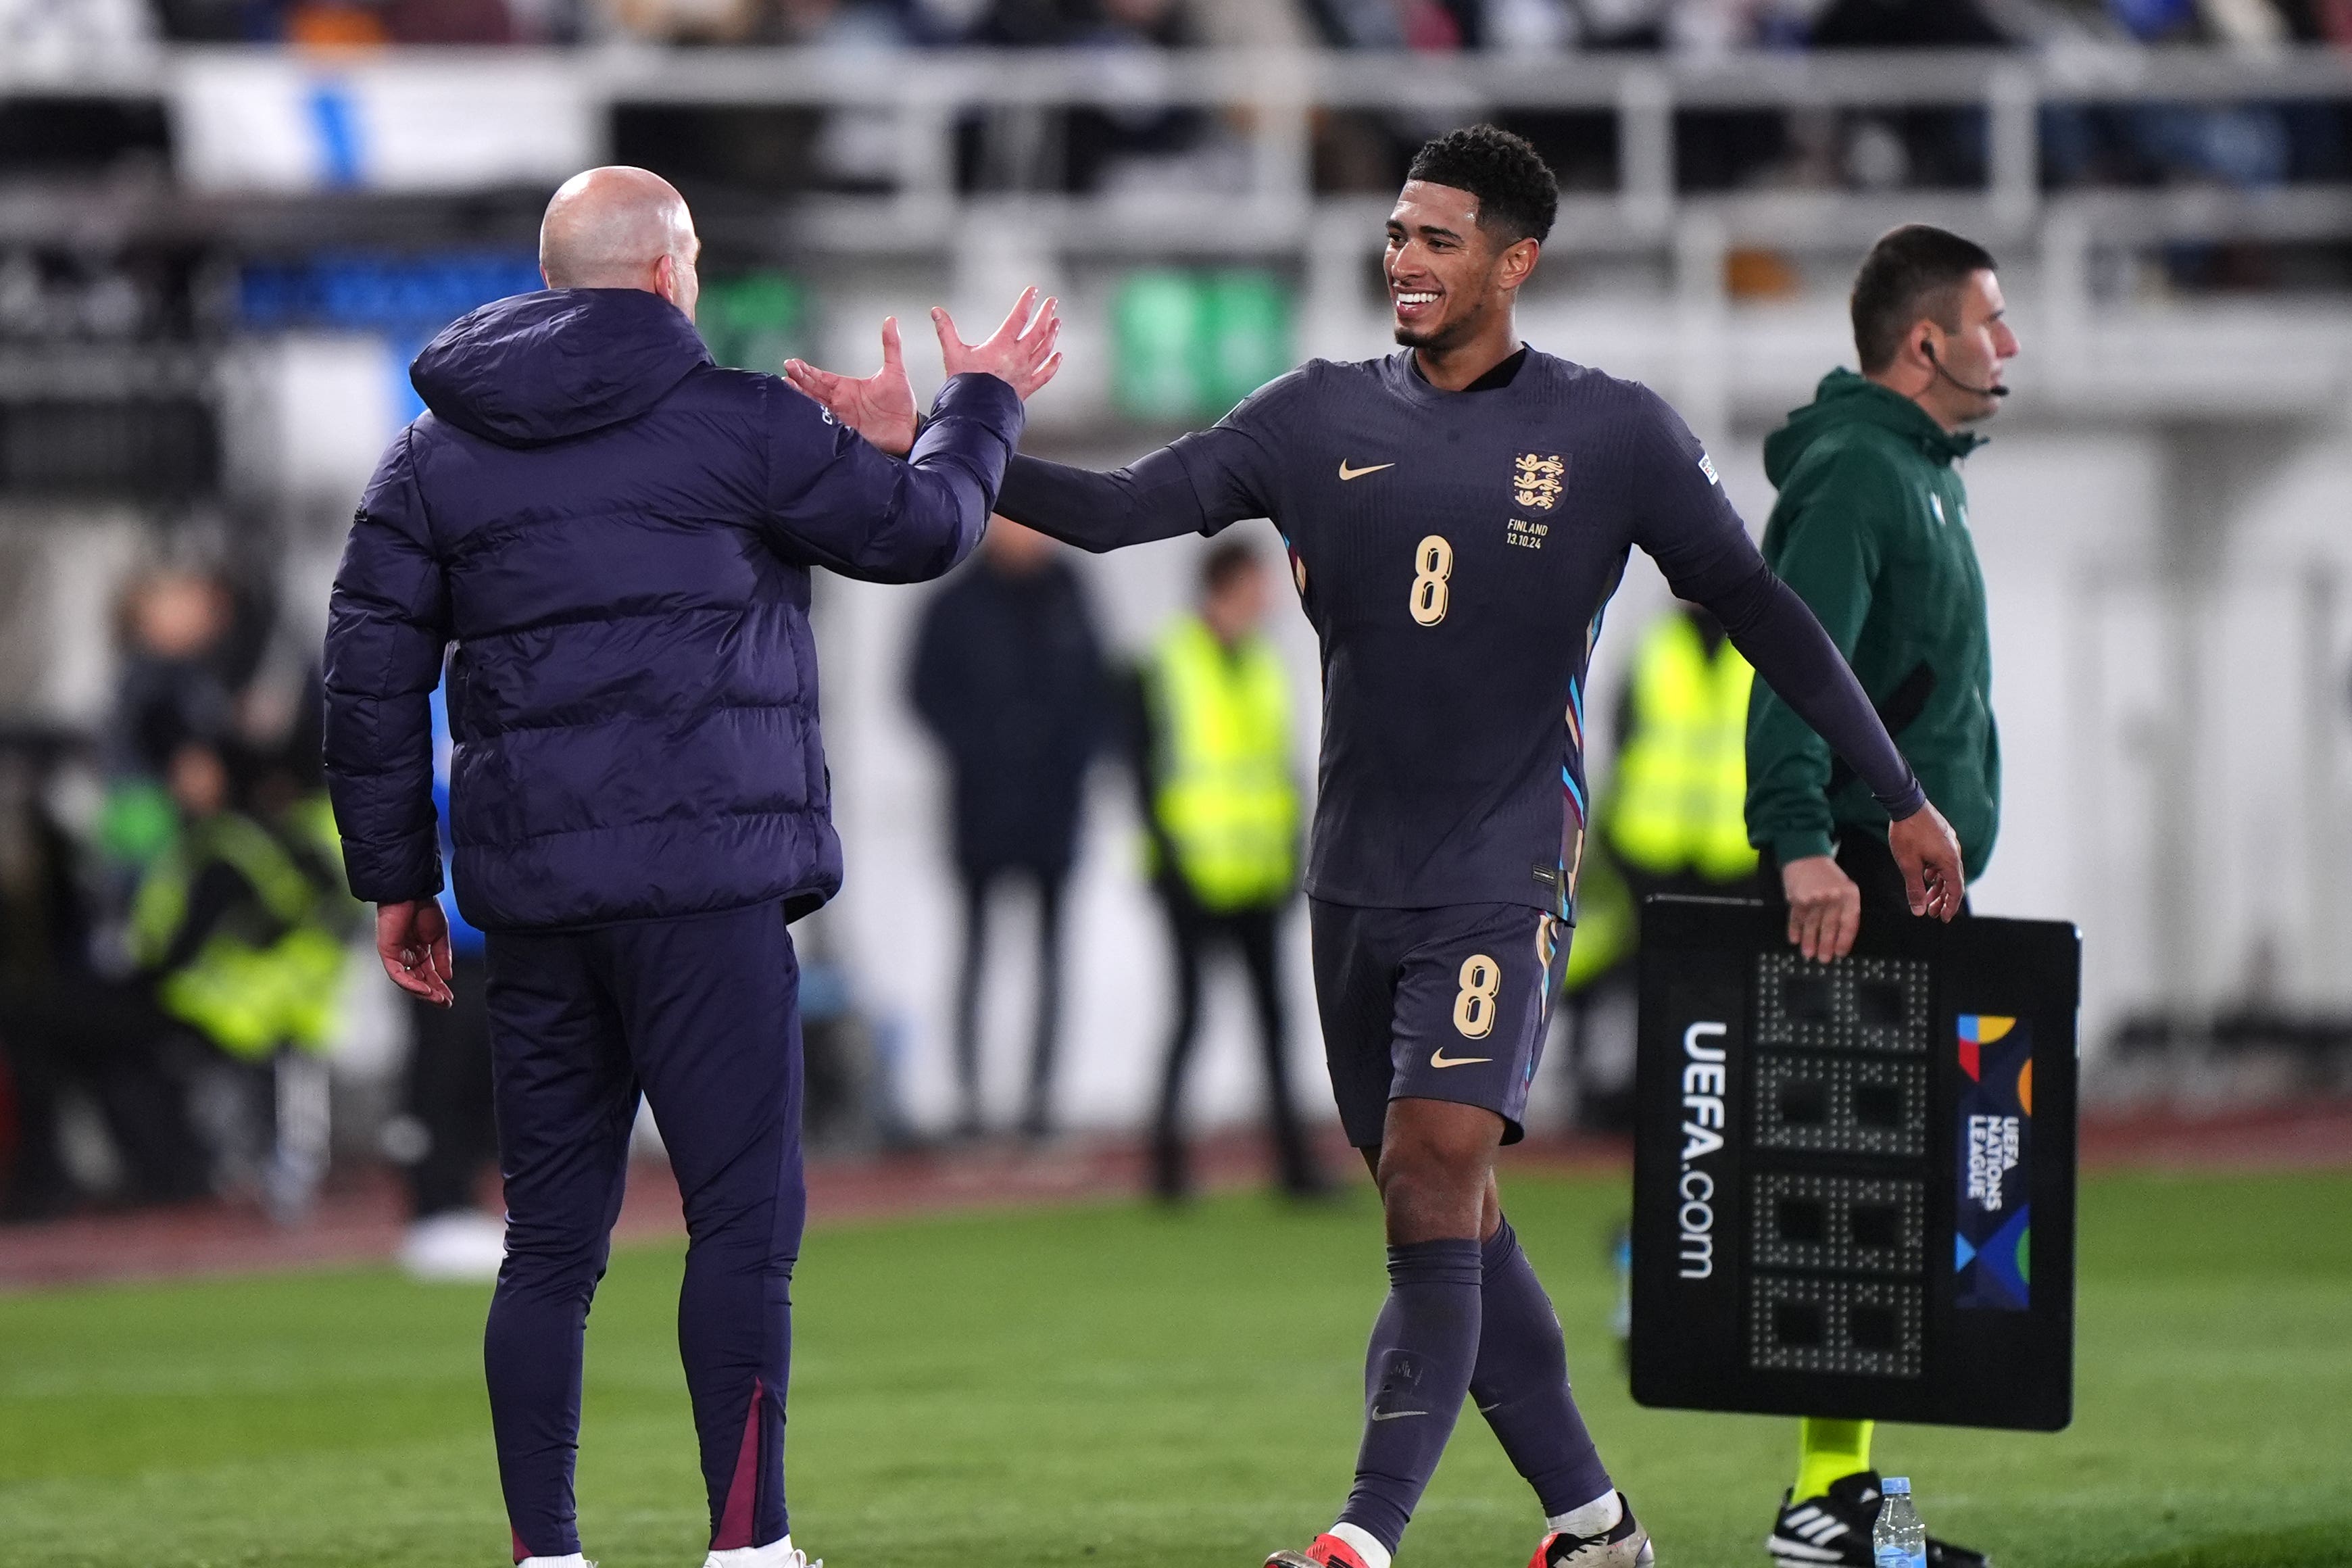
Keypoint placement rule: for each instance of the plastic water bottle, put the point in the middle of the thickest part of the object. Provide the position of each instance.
(1898, 1540)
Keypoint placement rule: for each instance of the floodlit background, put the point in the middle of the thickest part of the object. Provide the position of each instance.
(225, 225)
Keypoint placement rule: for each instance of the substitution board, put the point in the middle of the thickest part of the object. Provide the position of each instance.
(1855, 1182)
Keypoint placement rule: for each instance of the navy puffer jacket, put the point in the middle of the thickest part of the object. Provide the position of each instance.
(617, 538)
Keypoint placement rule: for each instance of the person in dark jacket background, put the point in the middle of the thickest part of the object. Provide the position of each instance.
(1008, 674)
(618, 539)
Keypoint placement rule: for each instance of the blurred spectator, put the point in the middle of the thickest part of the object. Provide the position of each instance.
(336, 25)
(1911, 147)
(830, 24)
(237, 932)
(1043, 24)
(212, 904)
(1906, 24)
(1008, 676)
(1253, 24)
(44, 935)
(1095, 147)
(1220, 808)
(1430, 25)
(2318, 21)
(448, 21)
(181, 665)
(2243, 145)
(446, 1140)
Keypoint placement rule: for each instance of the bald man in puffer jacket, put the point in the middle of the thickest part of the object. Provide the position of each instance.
(616, 539)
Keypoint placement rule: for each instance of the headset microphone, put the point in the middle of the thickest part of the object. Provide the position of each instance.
(1994, 391)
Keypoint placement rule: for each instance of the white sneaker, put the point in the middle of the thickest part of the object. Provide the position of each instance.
(575, 1560)
(467, 1246)
(775, 1555)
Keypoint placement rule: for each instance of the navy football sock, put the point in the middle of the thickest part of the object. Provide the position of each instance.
(1424, 1342)
(1521, 1381)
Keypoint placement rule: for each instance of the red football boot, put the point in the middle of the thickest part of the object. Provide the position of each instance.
(1327, 1551)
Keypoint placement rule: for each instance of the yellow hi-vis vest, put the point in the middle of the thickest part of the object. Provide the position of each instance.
(1678, 802)
(247, 995)
(1224, 797)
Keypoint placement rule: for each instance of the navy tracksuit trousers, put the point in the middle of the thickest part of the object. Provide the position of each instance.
(701, 1015)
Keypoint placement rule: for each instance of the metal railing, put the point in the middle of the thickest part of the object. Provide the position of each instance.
(1270, 102)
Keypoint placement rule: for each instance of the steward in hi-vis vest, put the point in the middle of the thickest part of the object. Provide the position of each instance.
(237, 938)
(1222, 808)
(1678, 802)
(1673, 818)
(1223, 804)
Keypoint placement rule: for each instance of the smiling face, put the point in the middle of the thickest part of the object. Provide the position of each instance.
(1448, 278)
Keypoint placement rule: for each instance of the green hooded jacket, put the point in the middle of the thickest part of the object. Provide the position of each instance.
(1871, 530)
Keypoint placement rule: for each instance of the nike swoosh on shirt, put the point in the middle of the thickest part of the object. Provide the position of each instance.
(1346, 473)
(1438, 1058)
(1395, 1414)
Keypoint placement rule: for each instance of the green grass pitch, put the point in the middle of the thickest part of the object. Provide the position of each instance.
(1118, 1388)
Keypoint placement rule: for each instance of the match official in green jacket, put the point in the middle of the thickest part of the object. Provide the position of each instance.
(1871, 528)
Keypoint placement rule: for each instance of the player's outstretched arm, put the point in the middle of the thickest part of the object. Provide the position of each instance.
(1197, 484)
(1151, 497)
(1689, 527)
(1792, 654)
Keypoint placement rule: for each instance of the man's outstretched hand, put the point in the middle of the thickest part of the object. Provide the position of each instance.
(1924, 844)
(1022, 351)
(881, 407)
(413, 939)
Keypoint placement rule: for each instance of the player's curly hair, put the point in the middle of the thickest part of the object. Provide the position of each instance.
(1517, 196)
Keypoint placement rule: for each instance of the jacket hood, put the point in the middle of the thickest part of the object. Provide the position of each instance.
(1843, 398)
(535, 368)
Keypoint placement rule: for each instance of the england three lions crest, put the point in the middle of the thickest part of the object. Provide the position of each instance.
(1536, 480)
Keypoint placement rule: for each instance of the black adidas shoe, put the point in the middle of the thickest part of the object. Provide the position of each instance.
(1833, 1530)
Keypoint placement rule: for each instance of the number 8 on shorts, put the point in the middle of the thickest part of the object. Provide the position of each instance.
(1473, 1006)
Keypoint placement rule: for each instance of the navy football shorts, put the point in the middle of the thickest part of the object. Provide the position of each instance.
(1442, 1003)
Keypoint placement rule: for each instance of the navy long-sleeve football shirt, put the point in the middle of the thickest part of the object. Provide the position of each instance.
(1455, 552)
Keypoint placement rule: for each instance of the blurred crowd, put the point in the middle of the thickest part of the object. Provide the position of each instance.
(175, 939)
(175, 936)
(761, 151)
(1435, 25)
(174, 914)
